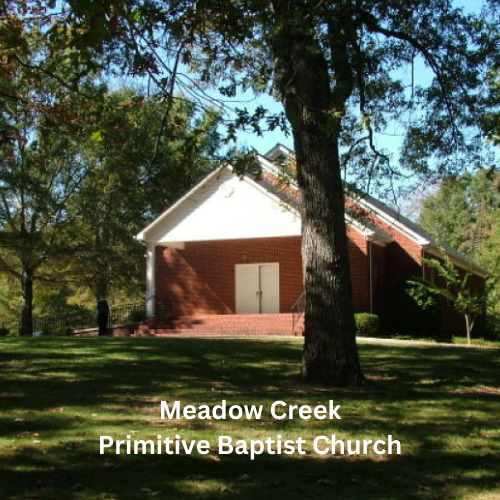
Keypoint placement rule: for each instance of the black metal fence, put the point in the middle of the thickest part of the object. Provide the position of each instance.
(65, 324)
(127, 314)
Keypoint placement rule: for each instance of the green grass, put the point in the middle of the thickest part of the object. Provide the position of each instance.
(463, 340)
(454, 340)
(58, 395)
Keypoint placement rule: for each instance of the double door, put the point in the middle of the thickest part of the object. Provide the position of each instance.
(257, 288)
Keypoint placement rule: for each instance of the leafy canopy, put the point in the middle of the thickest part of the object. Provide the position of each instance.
(414, 70)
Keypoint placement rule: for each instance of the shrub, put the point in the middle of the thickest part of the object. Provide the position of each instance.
(366, 324)
(4, 332)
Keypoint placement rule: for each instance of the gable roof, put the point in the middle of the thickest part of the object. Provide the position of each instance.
(393, 218)
(142, 236)
(285, 197)
(224, 207)
(279, 150)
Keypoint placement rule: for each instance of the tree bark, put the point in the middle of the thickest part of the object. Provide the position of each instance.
(101, 277)
(330, 354)
(27, 302)
(468, 327)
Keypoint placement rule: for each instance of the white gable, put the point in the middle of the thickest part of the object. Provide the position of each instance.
(222, 208)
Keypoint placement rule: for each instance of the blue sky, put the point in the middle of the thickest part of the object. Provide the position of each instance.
(268, 139)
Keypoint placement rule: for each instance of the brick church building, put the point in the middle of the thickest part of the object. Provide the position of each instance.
(226, 257)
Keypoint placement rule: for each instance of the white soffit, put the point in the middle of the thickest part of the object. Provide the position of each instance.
(279, 150)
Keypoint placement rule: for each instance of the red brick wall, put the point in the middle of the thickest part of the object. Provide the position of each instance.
(379, 260)
(403, 255)
(201, 278)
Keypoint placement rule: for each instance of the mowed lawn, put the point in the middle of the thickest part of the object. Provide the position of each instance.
(58, 395)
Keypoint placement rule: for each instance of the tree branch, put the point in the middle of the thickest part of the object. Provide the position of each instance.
(371, 23)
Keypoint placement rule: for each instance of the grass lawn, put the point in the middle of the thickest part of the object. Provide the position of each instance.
(58, 395)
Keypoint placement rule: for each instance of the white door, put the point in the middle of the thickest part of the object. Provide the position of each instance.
(257, 288)
(247, 289)
(269, 288)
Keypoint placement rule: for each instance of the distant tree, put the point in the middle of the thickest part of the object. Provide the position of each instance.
(41, 173)
(82, 170)
(10, 299)
(139, 163)
(446, 213)
(453, 285)
(41, 169)
(460, 211)
(465, 213)
(489, 256)
(491, 120)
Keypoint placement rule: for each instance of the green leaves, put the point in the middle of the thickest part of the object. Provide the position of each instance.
(141, 159)
(451, 283)
(97, 136)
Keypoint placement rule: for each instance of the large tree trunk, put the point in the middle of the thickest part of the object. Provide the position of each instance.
(330, 354)
(27, 302)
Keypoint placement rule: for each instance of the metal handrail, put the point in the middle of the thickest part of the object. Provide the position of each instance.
(159, 307)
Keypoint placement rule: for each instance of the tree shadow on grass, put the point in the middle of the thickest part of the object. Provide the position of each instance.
(74, 474)
(58, 394)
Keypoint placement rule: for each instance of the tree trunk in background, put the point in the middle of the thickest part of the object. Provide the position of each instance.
(468, 327)
(101, 245)
(101, 283)
(27, 303)
(330, 354)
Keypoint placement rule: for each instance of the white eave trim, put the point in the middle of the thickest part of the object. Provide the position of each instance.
(269, 166)
(377, 240)
(376, 236)
(459, 260)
